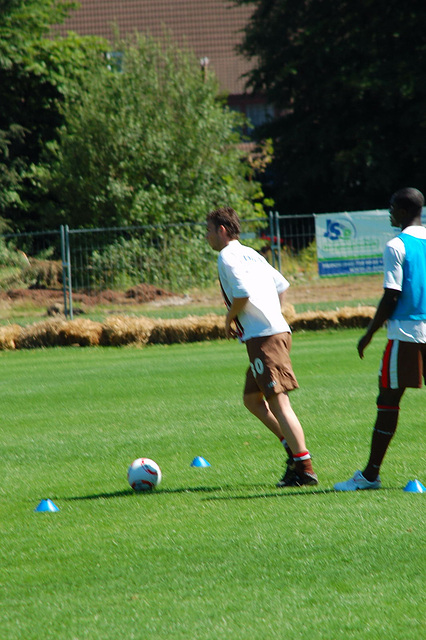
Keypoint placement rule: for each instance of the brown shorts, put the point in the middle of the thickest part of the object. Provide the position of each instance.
(270, 368)
(403, 365)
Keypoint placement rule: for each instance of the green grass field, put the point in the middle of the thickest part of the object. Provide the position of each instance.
(213, 553)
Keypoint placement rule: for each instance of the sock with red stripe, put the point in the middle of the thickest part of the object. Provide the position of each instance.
(303, 462)
(383, 432)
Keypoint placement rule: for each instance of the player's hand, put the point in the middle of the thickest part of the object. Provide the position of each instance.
(229, 330)
(363, 344)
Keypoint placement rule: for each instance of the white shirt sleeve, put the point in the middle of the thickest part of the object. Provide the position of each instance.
(231, 272)
(280, 282)
(241, 278)
(393, 259)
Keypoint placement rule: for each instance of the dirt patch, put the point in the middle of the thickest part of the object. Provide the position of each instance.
(316, 290)
(141, 293)
(362, 288)
(336, 289)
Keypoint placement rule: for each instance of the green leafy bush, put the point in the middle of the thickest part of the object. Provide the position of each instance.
(152, 144)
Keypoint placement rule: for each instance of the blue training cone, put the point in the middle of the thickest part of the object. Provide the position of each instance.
(200, 462)
(414, 486)
(46, 505)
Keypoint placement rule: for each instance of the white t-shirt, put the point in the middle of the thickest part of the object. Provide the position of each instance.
(393, 260)
(244, 273)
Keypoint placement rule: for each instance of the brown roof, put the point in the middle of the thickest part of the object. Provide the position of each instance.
(211, 28)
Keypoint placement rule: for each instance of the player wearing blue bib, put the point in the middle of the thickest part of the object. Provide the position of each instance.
(403, 306)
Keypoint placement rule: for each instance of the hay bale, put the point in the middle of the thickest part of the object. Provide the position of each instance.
(190, 329)
(60, 333)
(355, 316)
(8, 336)
(40, 334)
(82, 332)
(350, 317)
(289, 312)
(315, 320)
(122, 330)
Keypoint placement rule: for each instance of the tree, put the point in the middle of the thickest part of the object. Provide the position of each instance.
(148, 144)
(36, 74)
(349, 83)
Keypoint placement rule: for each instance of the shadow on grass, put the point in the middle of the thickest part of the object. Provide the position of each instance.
(278, 493)
(156, 492)
(281, 493)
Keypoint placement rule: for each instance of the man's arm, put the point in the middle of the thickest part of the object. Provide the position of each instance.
(236, 307)
(384, 310)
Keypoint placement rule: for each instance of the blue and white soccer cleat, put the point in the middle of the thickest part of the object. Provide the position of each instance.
(357, 483)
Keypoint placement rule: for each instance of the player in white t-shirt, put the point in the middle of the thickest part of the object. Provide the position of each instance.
(403, 306)
(253, 292)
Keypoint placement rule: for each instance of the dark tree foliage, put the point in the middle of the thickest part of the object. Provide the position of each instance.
(348, 80)
(36, 74)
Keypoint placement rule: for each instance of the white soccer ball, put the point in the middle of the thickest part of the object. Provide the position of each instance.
(144, 474)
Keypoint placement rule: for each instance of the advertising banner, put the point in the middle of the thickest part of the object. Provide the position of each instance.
(352, 243)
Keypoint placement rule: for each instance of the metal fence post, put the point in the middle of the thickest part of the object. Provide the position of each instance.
(64, 274)
(271, 235)
(277, 236)
(66, 271)
(68, 255)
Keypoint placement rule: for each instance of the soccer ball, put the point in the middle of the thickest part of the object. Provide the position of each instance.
(144, 474)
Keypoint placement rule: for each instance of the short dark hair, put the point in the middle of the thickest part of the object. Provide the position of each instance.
(410, 199)
(227, 217)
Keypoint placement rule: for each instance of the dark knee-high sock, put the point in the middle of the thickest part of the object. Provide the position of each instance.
(383, 432)
(287, 448)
